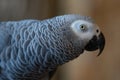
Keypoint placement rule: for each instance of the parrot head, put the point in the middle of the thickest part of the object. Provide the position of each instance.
(90, 35)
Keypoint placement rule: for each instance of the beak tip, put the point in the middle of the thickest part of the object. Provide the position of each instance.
(96, 43)
(99, 53)
(101, 44)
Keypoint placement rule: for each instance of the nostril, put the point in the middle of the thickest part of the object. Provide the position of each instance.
(97, 30)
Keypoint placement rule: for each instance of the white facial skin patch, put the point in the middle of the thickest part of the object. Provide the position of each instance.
(84, 29)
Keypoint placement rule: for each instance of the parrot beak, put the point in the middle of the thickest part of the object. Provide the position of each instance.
(96, 43)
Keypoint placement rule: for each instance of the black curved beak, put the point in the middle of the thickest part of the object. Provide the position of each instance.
(96, 43)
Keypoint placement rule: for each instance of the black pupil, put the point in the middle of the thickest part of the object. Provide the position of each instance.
(82, 27)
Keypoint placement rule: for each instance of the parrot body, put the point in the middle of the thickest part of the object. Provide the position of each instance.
(32, 49)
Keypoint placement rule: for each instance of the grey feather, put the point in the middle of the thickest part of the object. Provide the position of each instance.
(30, 49)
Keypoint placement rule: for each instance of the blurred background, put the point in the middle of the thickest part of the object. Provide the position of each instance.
(87, 66)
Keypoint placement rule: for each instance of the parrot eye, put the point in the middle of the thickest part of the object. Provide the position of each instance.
(83, 27)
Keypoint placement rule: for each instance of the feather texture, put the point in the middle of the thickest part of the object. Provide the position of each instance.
(30, 49)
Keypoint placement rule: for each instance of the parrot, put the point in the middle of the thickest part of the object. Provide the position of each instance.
(32, 49)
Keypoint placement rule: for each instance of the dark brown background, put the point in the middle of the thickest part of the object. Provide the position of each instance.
(106, 14)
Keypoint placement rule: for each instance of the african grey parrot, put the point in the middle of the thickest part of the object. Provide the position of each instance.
(33, 49)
